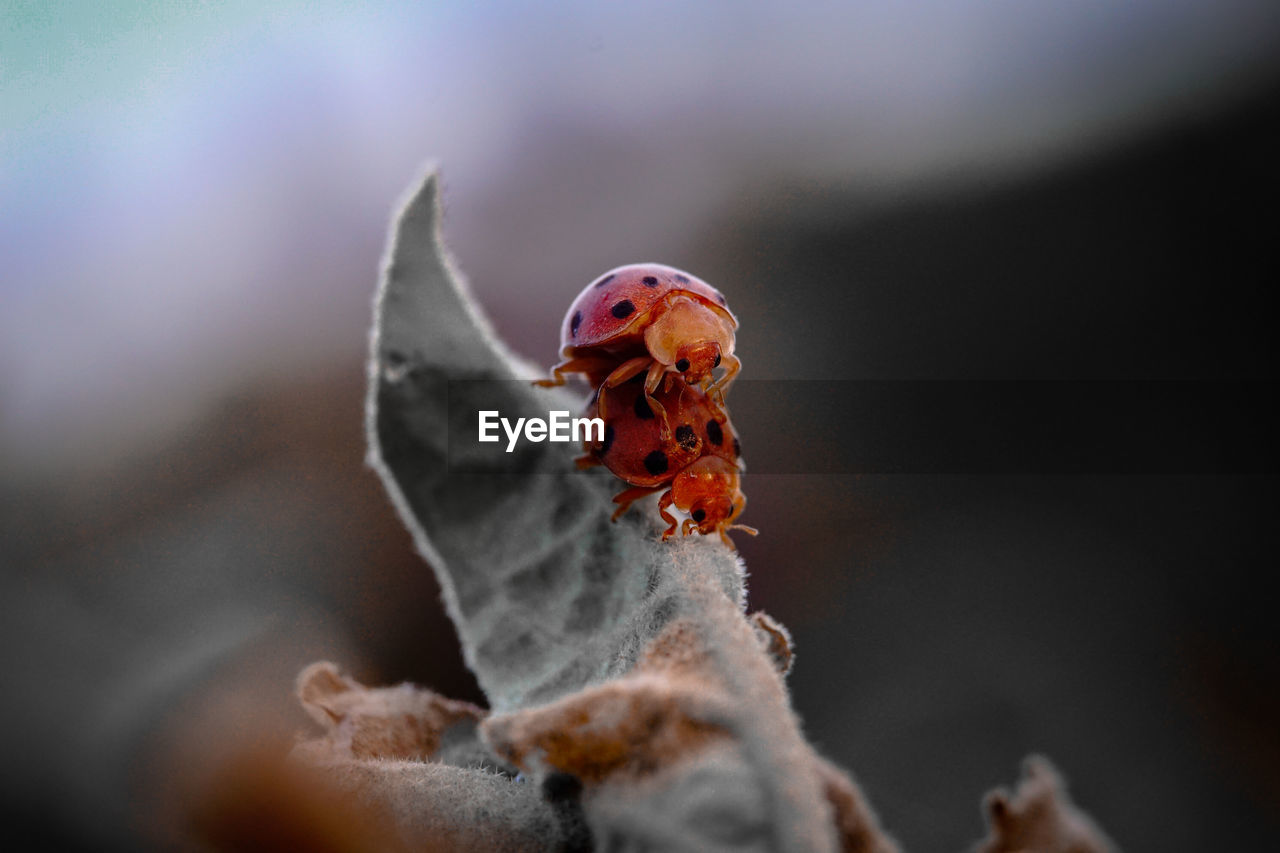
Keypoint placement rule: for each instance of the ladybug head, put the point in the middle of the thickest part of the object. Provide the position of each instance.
(690, 338)
(709, 491)
(696, 360)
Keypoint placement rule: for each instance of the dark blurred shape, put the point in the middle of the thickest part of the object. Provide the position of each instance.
(158, 611)
(1154, 260)
(947, 625)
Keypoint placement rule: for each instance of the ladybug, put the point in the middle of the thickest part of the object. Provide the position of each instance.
(709, 491)
(651, 319)
(697, 462)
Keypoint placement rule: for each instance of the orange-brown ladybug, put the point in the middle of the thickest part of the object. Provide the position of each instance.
(648, 318)
(709, 491)
(699, 459)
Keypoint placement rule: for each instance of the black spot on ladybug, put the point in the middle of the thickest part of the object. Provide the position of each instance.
(656, 463)
(650, 281)
(686, 437)
(608, 438)
(683, 279)
(698, 515)
(715, 433)
(716, 363)
(602, 282)
(623, 309)
(737, 447)
(642, 408)
(575, 323)
(682, 365)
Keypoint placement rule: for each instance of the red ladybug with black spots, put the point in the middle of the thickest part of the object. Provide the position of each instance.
(698, 462)
(650, 319)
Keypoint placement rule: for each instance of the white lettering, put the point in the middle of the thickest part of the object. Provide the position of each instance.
(512, 434)
(487, 423)
(559, 426)
(588, 425)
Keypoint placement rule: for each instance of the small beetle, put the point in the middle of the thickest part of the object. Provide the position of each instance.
(698, 460)
(648, 318)
(709, 491)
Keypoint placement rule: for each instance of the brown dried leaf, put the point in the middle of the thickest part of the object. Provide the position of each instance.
(1039, 816)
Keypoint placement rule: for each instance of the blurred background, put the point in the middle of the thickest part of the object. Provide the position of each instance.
(193, 204)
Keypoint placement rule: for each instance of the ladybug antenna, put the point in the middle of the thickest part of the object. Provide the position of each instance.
(750, 531)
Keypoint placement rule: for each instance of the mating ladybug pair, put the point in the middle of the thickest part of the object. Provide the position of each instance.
(648, 337)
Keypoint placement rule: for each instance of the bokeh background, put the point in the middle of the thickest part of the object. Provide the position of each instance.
(193, 202)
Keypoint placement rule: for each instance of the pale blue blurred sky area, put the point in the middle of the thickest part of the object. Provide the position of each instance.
(194, 196)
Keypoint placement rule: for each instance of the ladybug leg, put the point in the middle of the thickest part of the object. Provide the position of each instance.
(586, 460)
(624, 371)
(688, 525)
(717, 407)
(664, 503)
(724, 533)
(569, 365)
(732, 364)
(651, 382)
(625, 498)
